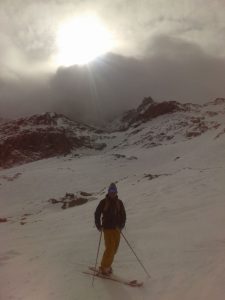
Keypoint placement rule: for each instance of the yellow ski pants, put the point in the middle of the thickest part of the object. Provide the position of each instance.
(112, 241)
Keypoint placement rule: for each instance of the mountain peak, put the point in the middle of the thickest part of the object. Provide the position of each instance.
(149, 109)
(146, 103)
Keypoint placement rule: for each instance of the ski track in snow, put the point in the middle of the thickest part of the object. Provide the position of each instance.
(175, 223)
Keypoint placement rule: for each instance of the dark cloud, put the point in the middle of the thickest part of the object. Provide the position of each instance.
(172, 69)
(169, 50)
(166, 49)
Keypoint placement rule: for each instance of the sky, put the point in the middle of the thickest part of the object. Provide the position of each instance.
(169, 50)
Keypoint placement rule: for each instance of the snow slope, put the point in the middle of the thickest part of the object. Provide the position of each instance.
(174, 197)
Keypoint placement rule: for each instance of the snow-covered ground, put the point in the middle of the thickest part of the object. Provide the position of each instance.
(174, 198)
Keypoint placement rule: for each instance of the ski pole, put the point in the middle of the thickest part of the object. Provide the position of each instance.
(96, 261)
(135, 255)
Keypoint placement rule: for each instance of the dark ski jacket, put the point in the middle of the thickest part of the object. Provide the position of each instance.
(110, 214)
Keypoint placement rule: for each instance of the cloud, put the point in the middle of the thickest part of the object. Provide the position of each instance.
(185, 71)
(175, 70)
(166, 49)
(30, 26)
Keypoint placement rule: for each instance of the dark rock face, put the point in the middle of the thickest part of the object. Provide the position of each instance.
(149, 109)
(3, 220)
(158, 109)
(71, 200)
(43, 136)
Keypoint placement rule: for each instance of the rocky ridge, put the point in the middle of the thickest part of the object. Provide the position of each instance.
(149, 125)
(43, 136)
(153, 124)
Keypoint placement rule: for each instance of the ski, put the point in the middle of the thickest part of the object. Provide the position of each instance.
(133, 283)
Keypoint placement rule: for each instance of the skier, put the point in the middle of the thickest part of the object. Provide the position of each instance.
(110, 216)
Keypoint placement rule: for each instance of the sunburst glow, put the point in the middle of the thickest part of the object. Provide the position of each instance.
(81, 40)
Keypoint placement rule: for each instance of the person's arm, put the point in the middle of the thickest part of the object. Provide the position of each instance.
(123, 216)
(98, 213)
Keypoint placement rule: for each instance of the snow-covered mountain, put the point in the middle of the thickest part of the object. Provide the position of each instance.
(42, 136)
(169, 169)
(151, 124)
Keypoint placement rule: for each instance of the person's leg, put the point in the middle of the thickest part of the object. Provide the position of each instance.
(117, 240)
(112, 240)
(108, 254)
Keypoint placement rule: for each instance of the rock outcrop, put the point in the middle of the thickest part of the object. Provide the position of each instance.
(43, 136)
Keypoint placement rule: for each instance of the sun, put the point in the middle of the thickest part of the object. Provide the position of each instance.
(81, 40)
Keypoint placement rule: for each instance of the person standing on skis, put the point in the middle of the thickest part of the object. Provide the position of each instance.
(110, 217)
